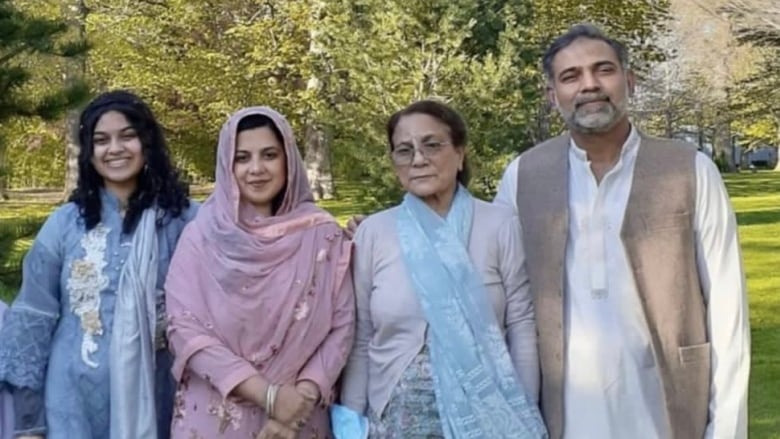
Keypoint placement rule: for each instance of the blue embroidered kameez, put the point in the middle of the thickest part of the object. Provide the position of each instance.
(56, 337)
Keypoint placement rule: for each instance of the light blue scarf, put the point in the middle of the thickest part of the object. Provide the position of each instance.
(478, 392)
(133, 411)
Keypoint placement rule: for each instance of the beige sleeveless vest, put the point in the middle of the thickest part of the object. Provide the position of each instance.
(658, 235)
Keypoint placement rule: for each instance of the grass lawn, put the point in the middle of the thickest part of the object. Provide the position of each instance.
(756, 198)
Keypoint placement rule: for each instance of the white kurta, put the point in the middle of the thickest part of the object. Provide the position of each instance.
(612, 387)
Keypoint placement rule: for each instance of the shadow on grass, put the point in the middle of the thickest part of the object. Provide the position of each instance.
(758, 217)
(750, 185)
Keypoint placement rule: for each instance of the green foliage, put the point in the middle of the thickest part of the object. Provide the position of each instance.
(757, 98)
(634, 22)
(429, 50)
(756, 102)
(15, 236)
(27, 43)
(21, 34)
(36, 149)
(343, 66)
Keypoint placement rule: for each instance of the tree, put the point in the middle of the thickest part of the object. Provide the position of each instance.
(339, 68)
(75, 72)
(757, 23)
(21, 37)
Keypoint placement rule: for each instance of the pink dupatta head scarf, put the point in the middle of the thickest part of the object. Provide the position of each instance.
(261, 286)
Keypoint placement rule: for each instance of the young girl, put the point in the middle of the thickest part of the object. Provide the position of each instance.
(82, 347)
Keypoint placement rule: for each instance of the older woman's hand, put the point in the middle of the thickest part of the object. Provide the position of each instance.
(292, 408)
(353, 224)
(309, 390)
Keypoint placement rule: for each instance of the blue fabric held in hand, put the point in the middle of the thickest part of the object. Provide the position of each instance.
(347, 423)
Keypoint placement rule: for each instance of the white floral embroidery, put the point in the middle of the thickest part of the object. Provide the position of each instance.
(84, 285)
(228, 413)
(301, 311)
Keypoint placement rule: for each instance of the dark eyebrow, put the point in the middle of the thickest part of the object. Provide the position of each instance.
(266, 149)
(122, 131)
(569, 70)
(429, 137)
(604, 63)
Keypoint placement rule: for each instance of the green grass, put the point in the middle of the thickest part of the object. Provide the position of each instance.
(756, 198)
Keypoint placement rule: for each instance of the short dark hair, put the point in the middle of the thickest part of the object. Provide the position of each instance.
(159, 181)
(576, 32)
(444, 114)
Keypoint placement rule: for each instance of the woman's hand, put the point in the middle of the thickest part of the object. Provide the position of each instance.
(276, 430)
(291, 408)
(309, 390)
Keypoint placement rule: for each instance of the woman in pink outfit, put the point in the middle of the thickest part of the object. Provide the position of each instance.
(259, 295)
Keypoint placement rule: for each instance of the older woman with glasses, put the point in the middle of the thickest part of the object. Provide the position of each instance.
(446, 341)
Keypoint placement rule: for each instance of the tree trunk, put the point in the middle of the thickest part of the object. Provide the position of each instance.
(317, 162)
(544, 114)
(668, 122)
(76, 70)
(316, 143)
(71, 153)
(724, 146)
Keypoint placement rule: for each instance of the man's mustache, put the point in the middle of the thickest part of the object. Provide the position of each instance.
(582, 100)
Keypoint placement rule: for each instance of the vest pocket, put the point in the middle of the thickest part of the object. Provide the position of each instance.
(694, 353)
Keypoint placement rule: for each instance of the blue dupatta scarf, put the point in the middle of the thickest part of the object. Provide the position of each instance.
(478, 392)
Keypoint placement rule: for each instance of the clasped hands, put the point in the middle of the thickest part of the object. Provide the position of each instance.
(293, 407)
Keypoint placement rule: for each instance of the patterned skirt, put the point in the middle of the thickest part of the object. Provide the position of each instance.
(411, 412)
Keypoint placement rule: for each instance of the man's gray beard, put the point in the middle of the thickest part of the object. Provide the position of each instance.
(606, 121)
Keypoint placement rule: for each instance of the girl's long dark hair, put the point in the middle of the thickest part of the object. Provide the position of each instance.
(158, 182)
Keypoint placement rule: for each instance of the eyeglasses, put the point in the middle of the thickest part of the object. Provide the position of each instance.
(403, 155)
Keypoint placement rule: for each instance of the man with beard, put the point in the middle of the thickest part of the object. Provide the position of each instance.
(634, 262)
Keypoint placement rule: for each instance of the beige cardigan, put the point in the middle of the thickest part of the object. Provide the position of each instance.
(391, 326)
